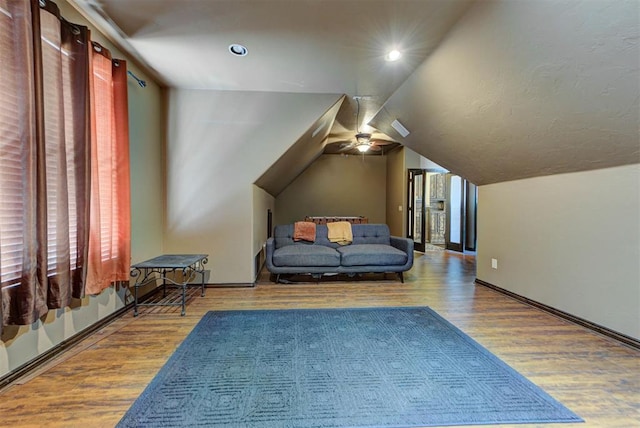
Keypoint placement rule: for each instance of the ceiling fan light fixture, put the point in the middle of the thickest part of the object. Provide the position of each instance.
(363, 138)
(363, 147)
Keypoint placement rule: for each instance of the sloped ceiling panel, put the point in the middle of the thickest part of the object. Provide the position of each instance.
(300, 155)
(310, 46)
(527, 88)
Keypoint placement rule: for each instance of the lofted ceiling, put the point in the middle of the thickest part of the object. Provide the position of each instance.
(527, 88)
(310, 46)
(493, 90)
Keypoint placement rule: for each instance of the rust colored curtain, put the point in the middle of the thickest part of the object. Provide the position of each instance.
(110, 230)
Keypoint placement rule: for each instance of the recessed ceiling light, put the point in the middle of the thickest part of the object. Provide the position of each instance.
(238, 50)
(393, 55)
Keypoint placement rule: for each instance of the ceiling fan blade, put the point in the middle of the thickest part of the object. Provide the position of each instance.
(382, 142)
(341, 142)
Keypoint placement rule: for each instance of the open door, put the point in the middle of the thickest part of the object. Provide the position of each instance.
(416, 208)
(437, 210)
(456, 201)
(441, 210)
(471, 210)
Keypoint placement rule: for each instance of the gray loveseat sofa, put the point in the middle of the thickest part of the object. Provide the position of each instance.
(373, 250)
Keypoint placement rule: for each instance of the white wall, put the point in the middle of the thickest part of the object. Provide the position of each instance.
(218, 144)
(336, 185)
(21, 344)
(570, 241)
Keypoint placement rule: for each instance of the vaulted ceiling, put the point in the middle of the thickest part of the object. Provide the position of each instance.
(492, 90)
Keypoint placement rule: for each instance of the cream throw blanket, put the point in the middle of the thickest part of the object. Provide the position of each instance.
(340, 232)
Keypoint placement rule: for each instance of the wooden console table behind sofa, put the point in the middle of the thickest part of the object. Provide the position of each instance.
(325, 219)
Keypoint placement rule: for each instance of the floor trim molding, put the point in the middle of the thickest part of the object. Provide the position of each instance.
(623, 338)
(231, 285)
(48, 355)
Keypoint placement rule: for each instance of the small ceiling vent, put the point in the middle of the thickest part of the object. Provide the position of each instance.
(400, 128)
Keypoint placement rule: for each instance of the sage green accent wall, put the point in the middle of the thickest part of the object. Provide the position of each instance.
(570, 241)
(21, 344)
(336, 185)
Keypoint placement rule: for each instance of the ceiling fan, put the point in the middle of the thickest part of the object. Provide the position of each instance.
(362, 142)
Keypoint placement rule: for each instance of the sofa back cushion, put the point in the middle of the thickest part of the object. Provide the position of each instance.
(362, 234)
(283, 235)
(370, 234)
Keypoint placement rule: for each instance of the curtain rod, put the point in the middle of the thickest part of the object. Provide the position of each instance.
(141, 82)
(43, 4)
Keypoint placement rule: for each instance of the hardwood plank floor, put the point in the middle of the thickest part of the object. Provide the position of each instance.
(93, 384)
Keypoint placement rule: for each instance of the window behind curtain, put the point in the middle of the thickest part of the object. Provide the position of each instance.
(17, 131)
(65, 66)
(59, 224)
(45, 164)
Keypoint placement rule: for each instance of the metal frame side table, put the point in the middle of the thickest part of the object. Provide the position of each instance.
(186, 264)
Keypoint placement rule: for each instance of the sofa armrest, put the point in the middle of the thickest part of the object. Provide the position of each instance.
(271, 246)
(403, 244)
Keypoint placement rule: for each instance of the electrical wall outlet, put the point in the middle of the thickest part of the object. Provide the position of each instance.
(399, 207)
(494, 263)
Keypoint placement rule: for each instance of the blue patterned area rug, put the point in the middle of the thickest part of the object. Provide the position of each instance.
(374, 367)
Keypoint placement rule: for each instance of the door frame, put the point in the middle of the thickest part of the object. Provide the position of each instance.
(456, 246)
(471, 220)
(411, 174)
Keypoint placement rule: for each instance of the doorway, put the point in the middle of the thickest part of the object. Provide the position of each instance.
(426, 213)
(455, 206)
(416, 223)
(441, 210)
(461, 203)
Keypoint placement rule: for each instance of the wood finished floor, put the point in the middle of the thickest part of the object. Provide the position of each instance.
(93, 384)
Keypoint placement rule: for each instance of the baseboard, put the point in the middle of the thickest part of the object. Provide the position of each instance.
(259, 272)
(231, 285)
(66, 344)
(623, 338)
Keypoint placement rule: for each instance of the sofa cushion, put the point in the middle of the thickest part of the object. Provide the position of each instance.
(283, 236)
(298, 255)
(371, 255)
(370, 234)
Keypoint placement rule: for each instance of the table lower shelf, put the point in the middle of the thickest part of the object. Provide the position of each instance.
(159, 302)
(175, 271)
